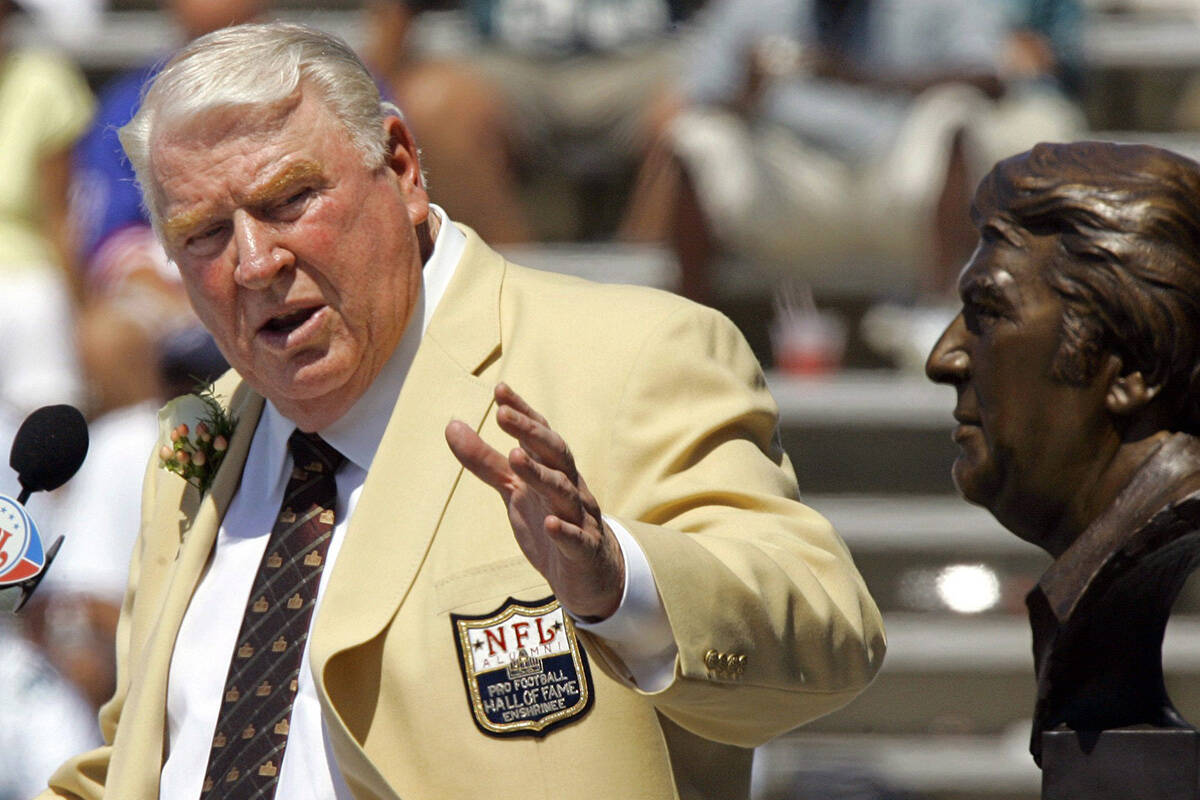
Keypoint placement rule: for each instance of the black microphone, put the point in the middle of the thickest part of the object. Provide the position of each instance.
(48, 449)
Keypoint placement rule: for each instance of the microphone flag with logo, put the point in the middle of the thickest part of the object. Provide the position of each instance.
(48, 449)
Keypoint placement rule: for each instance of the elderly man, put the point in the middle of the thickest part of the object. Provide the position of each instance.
(529, 646)
(1076, 358)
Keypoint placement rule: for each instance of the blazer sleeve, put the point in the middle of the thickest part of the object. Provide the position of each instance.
(773, 623)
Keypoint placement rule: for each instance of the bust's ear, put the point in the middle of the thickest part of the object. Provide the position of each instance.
(1128, 392)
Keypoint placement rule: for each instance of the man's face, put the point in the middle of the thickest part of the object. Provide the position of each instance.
(1028, 441)
(301, 261)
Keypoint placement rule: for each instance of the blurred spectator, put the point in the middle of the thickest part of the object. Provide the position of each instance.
(65, 23)
(44, 717)
(125, 272)
(44, 106)
(846, 134)
(42, 721)
(117, 355)
(1045, 44)
(129, 330)
(568, 90)
(73, 615)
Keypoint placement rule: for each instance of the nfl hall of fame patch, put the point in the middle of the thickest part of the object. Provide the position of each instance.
(524, 668)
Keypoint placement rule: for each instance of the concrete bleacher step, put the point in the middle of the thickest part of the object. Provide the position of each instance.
(864, 432)
(930, 767)
(133, 35)
(1163, 38)
(974, 675)
(866, 398)
(934, 554)
(603, 262)
(953, 671)
(948, 716)
(1160, 34)
(889, 525)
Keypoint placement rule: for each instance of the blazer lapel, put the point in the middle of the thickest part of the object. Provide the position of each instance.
(143, 718)
(409, 483)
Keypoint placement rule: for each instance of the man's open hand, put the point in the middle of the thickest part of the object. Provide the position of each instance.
(555, 518)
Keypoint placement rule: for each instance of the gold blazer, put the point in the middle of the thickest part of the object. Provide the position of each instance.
(670, 422)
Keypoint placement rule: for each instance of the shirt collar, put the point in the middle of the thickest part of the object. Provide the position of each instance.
(358, 432)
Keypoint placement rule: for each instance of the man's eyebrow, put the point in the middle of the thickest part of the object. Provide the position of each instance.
(268, 190)
(179, 224)
(290, 175)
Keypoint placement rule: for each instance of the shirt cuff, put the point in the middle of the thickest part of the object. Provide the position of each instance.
(638, 631)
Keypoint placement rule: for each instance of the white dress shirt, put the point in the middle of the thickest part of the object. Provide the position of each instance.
(638, 631)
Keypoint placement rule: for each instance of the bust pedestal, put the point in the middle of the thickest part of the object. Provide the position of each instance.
(1135, 763)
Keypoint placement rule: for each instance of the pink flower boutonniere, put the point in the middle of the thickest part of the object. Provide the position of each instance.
(195, 431)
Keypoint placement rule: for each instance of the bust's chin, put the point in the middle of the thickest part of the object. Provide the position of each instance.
(971, 484)
(978, 487)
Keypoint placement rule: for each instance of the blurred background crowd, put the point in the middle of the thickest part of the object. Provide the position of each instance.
(804, 165)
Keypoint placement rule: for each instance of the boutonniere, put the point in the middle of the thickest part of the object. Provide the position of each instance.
(195, 431)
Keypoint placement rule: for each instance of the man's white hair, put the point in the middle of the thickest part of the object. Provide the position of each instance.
(253, 66)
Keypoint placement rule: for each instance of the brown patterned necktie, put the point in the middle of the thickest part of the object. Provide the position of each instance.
(256, 709)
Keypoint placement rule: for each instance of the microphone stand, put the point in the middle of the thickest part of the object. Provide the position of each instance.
(26, 587)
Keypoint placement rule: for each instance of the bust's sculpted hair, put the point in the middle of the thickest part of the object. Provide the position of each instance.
(1127, 221)
(257, 65)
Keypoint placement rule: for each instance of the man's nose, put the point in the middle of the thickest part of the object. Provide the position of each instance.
(260, 257)
(949, 361)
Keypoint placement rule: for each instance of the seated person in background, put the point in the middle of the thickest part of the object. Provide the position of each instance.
(826, 136)
(560, 91)
(43, 720)
(1045, 44)
(45, 105)
(1076, 359)
(73, 615)
(124, 270)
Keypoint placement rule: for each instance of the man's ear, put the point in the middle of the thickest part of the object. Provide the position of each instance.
(1128, 392)
(404, 160)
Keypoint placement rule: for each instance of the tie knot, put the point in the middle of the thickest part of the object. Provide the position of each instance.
(307, 446)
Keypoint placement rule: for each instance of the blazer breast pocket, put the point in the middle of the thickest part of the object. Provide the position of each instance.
(473, 588)
(524, 669)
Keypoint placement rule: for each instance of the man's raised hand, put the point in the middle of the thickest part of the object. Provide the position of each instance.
(554, 517)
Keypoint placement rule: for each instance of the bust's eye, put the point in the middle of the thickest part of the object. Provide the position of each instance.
(980, 316)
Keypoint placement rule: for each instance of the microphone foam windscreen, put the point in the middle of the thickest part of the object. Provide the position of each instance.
(50, 445)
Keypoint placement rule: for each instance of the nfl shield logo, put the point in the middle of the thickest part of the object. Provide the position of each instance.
(524, 669)
(21, 554)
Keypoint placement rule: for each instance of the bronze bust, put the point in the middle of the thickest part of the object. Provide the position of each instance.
(1076, 359)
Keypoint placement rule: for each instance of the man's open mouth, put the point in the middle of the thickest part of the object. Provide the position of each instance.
(286, 323)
